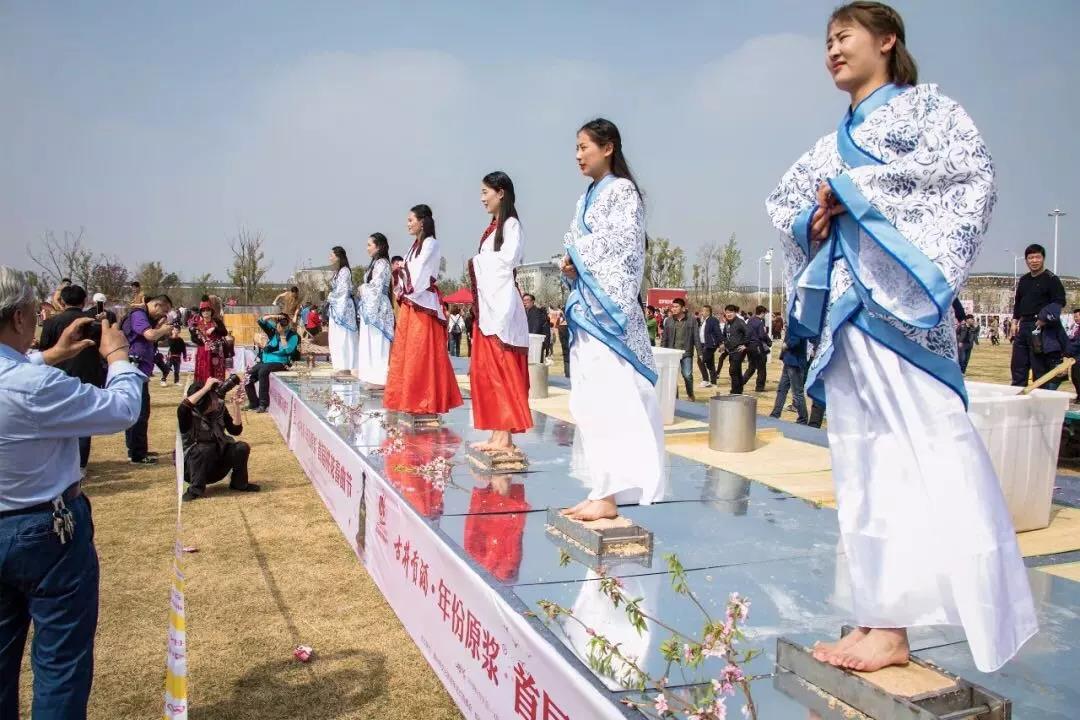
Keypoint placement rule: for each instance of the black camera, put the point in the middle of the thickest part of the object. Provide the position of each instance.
(222, 389)
(92, 331)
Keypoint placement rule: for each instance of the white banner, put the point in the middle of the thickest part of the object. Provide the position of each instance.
(281, 406)
(491, 659)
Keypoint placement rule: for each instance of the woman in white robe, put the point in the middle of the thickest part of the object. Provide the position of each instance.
(882, 221)
(613, 396)
(342, 314)
(499, 360)
(375, 315)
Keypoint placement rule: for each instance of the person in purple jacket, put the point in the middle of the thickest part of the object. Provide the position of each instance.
(143, 326)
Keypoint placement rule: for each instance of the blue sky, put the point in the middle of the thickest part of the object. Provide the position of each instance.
(162, 127)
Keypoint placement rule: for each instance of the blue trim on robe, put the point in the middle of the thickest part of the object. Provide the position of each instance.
(609, 326)
(856, 303)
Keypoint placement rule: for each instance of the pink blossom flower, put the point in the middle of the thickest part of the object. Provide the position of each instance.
(687, 652)
(719, 709)
(661, 703)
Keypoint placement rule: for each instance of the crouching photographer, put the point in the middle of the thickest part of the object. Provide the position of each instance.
(206, 426)
(276, 355)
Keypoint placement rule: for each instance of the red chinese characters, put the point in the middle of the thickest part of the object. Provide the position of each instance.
(527, 698)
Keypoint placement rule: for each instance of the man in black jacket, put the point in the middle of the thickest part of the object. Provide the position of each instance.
(708, 339)
(1038, 336)
(680, 333)
(209, 452)
(736, 337)
(538, 322)
(87, 366)
(758, 344)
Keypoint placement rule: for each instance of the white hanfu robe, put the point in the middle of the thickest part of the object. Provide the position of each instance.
(374, 324)
(342, 321)
(613, 396)
(499, 307)
(925, 529)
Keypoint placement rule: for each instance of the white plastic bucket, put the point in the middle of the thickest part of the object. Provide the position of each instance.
(1022, 433)
(667, 369)
(536, 345)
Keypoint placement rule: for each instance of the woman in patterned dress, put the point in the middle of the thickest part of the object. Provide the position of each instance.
(613, 395)
(342, 310)
(374, 314)
(882, 221)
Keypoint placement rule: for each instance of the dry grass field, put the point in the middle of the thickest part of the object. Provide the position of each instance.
(271, 572)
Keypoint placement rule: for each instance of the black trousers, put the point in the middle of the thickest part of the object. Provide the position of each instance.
(756, 356)
(159, 360)
(1025, 360)
(817, 414)
(135, 436)
(174, 363)
(455, 344)
(260, 373)
(1074, 373)
(208, 463)
(735, 359)
(564, 343)
(707, 364)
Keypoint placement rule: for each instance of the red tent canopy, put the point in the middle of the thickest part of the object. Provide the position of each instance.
(463, 296)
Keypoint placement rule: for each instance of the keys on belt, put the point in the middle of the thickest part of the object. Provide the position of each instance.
(63, 522)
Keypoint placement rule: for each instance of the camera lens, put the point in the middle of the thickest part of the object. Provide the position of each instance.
(230, 382)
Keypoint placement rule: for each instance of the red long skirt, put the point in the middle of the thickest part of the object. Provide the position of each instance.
(420, 379)
(208, 364)
(499, 375)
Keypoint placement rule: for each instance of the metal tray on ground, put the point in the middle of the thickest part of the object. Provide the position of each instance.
(611, 542)
(833, 693)
(373, 391)
(596, 563)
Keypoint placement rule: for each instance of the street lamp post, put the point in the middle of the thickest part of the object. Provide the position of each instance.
(768, 261)
(1055, 213)
(1014, 259)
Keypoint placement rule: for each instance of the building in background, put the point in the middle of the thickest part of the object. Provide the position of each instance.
(544, 280)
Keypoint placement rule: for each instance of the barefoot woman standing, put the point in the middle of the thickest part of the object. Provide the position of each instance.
(613, 398)
(882, 221)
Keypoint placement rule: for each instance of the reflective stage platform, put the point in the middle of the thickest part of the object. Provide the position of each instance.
(730, 534)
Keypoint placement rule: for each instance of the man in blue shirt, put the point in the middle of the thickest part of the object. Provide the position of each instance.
(48, 564)
(276, 355)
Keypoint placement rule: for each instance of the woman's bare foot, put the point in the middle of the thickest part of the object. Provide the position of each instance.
(501, 441)
(482, 446)
(823, 651)
(571, 510)
(597, 510)
(880, 648)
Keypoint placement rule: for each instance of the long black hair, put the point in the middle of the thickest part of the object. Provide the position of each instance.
(427, 220)
(497, 181)
(382, 252)
(604, 132)
(342, 257)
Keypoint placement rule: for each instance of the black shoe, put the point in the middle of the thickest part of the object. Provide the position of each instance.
(188, 496)
(260, 409)
(775, 415)
(250, 487)
(145, 460)
(253, 406)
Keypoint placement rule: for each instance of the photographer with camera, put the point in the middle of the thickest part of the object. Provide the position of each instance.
(87, 365)
(276, 355)
(48, 564)
(206, 425)
(144, 325)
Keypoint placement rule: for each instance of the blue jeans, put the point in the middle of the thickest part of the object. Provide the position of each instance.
(791, 378)
(686, 367)
(56, 586)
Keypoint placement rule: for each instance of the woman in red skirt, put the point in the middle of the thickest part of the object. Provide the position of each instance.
(499, 370)
(420, 379)
(208, 333)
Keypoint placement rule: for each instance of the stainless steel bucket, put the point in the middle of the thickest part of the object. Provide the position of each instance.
(538, 380)
(732, 423)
